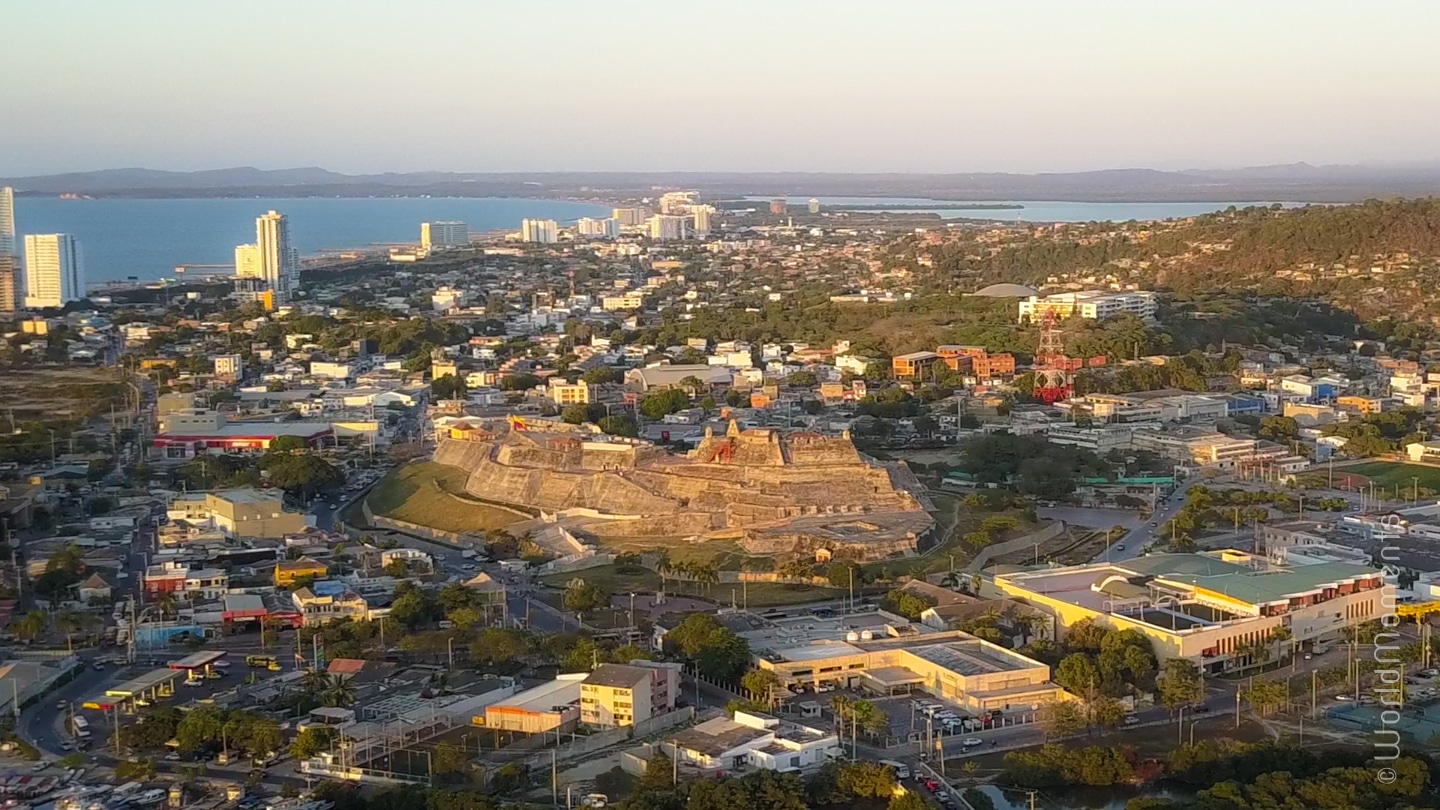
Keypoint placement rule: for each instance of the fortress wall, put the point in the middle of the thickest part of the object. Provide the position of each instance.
(678, 525)
(609, 492)
(803, 544)
(823, 451)
(462, 454)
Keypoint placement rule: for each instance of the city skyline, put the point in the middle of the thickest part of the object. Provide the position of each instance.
(782, 87)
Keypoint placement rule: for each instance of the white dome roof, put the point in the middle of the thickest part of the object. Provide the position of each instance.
(1005, 291)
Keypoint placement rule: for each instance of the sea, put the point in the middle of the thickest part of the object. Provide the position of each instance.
(1037, 210)
(122, 239)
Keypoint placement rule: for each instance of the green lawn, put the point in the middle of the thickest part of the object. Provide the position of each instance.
(1390, 474)
(417, 493)
(630, 578)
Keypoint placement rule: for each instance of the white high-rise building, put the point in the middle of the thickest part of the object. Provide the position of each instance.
(279, 263)
(675, 202)
(544, 231)
(607, 228)
(664, 227)
(7, 221)
(701, 214)
(442, 235)
(247, 261)
(53, 276)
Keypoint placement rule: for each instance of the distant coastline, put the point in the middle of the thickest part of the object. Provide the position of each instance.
(935, 207)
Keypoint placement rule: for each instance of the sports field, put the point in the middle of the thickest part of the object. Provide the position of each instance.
(1390, 474)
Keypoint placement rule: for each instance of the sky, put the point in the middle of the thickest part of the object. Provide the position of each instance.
(359, 86)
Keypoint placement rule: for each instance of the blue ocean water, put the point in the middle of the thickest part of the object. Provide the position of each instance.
(1042, 210)
(147, 239)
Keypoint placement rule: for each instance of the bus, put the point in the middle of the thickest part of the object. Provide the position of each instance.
(263, 661)
(902, 771)
(81, 727)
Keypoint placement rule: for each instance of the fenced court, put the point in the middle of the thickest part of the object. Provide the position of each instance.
(1417, 723)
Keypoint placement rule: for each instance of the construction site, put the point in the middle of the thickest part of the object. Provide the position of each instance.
(768, 491)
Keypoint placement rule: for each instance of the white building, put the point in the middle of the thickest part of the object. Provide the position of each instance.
(7, 221)
(755, 740)
(1089, 304)
(674, 202)
(334, 371)
(543, 231)
(664, 227)
(443, 235)
(279, 263)
(228, 365)
(607, 228)
(53, 275)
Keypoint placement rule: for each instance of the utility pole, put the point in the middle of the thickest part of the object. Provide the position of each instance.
(1237, 707)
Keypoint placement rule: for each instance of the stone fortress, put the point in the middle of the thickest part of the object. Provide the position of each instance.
(768, 491)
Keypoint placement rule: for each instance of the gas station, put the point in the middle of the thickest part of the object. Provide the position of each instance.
(202, 663)
(155, 684)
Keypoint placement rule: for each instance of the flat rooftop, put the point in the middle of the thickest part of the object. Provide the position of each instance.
(546, 696)
(973, 658)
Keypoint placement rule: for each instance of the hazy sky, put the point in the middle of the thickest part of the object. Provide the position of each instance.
(763, 85)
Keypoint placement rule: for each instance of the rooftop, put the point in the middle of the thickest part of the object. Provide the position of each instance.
(619, 676)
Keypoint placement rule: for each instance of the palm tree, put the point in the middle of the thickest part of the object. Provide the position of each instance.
(31, 625)
(340, 694)
(317, 681)
(168, 605)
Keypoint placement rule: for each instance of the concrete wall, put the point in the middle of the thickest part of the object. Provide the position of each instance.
(1018, 544)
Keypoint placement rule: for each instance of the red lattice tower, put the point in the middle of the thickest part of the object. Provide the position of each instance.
(1053, 381)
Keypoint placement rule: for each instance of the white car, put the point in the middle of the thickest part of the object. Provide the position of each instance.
(221, 665)
(970, 741)
(194, 682)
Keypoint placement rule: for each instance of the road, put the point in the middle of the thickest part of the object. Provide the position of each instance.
(1135, 543)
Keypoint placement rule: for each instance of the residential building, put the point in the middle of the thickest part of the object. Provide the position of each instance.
(667, 227)
(11, 280)
(1426, 452)
(287, 571)
(444, 235)
(53, 274)
(814, 206)
(1090, 304)
(279, 262)
(1217, 609)
(779, 206)
(607, 228)
(677, 202)
(247, 262)
(631, 217)
(576, 393)
(541, 231)
(621, 303)
(701, 215)
(623, 695)
(7, 221)
(177, 578)
(228, 365)
(914, 366)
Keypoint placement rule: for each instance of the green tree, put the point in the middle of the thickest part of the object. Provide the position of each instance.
(1062, 718)
(310, 742)
(287, 444)
(1179, 683)
(584, 597)
(909, 800)
(762, 685)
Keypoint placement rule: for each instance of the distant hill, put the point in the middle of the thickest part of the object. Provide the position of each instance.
(1295, 182)
(1378, 259)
